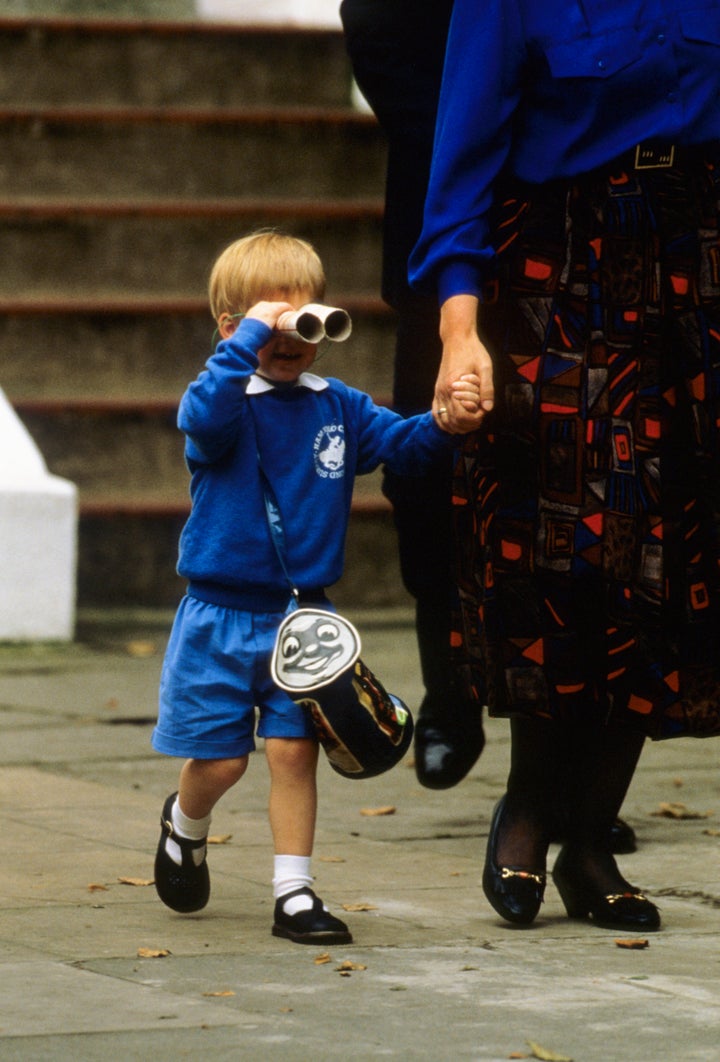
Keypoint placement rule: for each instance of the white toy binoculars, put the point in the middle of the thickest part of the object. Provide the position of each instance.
(315, 322)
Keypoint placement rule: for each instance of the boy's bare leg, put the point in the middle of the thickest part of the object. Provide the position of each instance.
(293, 794)
(299, 914)
(203, 782)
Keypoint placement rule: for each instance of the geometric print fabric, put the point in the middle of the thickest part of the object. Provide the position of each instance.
(588, 506)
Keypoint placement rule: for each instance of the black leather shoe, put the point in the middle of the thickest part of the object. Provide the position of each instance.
(627, 909)
(445, 751)
(622, 838)
(313, 926)
(514, 893)
(186, 886)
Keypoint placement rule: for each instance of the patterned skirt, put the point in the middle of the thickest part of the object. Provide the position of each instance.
(588, 506)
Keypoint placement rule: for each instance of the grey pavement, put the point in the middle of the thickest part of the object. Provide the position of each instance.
(433, 973)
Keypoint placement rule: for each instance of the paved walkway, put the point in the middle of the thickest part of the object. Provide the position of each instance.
(433, 974)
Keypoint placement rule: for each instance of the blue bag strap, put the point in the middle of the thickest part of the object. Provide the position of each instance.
(277, 531)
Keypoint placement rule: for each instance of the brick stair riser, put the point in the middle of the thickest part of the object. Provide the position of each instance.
(158, 67)
(140, 255)
(166, 159)
(124, 357)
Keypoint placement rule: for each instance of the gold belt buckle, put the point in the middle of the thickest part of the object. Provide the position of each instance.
(648, 157)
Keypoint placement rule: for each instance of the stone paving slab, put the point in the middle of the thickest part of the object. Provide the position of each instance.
(437, 974)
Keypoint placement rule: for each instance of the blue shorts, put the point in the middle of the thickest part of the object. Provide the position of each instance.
(215, 674)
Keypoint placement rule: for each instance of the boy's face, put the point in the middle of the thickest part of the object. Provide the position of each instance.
(284, 358)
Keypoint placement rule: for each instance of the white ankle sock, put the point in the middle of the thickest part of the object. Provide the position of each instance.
(193, 829)
(292, 872)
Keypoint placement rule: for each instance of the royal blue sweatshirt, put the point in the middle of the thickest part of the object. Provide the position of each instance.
(313, 438)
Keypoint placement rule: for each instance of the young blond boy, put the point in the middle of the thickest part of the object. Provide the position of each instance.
(255, 397)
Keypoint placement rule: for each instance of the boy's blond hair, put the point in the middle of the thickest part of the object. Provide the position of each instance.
(265, 264)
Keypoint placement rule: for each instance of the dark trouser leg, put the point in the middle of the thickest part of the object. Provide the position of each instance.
(448, 733)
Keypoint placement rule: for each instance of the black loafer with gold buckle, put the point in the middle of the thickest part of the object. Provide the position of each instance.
(627, 909)
(515, 894)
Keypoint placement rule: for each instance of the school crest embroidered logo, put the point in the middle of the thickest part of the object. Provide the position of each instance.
(329, 451)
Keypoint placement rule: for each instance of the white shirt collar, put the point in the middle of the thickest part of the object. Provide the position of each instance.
(258, 385)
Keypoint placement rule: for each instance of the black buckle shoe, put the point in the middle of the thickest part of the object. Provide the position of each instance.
(313, 926)
(514, 893)
(627, 909)
(445, 749)
(184, 887)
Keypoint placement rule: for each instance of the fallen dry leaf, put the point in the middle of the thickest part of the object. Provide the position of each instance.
(346, 968)
(331, 859)
(320, 960)
(359, 907)
(218, 995)
(153, 953)
(518, 1054)
(388, 809)
(219, 838)
(634, 945)
(95, 887)
(139, 882)
(548, 1056)
(670, 810)
(712, 833)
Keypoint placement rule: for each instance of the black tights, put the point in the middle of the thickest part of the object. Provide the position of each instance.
(569, 782)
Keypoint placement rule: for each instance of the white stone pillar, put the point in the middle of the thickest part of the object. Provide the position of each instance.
(320, 13)
(38, 540)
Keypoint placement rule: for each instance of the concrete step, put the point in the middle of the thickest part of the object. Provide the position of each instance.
(104, 153)
(141, 250)
(131, 153)
(144, 63)
(140, 348)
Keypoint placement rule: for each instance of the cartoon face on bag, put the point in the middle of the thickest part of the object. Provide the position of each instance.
(313, 647)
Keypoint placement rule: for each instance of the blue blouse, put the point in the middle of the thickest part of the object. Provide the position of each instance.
(543, 89)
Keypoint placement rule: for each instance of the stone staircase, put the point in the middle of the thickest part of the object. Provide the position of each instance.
(131, 152)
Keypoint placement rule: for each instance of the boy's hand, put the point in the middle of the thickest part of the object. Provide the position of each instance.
(464, 397)
(466, 391)
(269, 312)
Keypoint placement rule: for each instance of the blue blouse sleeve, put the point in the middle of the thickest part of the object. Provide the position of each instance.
(480, 93)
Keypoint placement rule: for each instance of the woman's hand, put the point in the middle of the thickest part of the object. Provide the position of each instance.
(464, 387)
